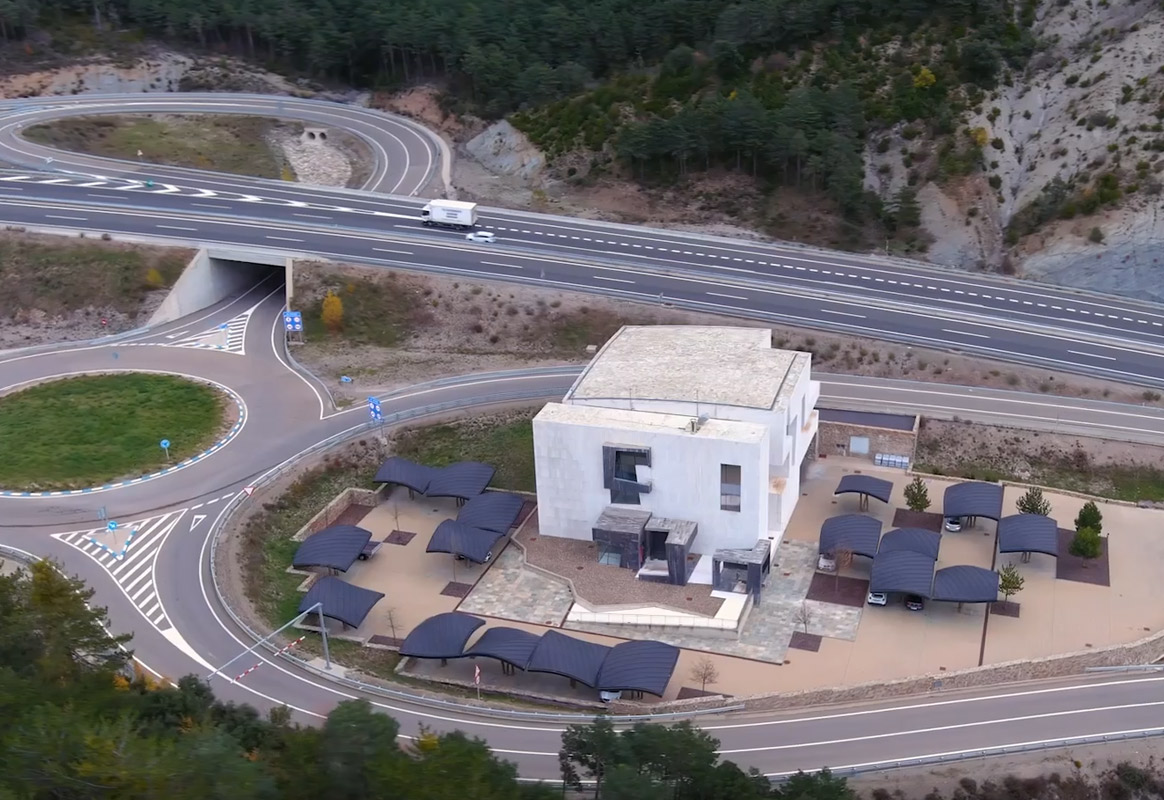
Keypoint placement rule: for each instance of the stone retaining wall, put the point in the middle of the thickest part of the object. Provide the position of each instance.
(332, 511)
(833, 440)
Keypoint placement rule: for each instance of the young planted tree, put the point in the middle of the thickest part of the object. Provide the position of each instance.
(332, 312)
(705, 672)
(1033, 502)
(917, 496)
(1089, 517)
(843, 559)
(804, 616)
(1010, 581)
(1086, 543)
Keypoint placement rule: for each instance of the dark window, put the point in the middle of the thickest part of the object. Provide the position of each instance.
(729, 487)
(621, 473)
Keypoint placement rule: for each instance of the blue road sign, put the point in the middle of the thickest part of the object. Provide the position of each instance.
(165, 444)
(293, 320)
(111, 526)
(375, 414)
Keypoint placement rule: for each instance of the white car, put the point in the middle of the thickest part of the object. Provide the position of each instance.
(485, 237)
(877, 599)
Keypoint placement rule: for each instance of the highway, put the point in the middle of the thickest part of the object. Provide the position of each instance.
(163, 590)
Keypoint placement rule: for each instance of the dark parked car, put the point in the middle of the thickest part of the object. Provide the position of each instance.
(914, 602)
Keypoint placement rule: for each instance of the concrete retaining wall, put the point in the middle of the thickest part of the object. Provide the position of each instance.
(211, 277)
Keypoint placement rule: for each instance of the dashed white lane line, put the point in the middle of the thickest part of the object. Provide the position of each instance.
(1092, 355)
(611, 280)
(842, 313)
(965, 333)
(283, 239)
(506, 266)
(728, 296)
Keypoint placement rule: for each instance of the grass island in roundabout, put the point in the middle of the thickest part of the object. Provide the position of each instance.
(85, 431)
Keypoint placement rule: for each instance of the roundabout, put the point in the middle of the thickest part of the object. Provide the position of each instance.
(161, 584)
(90, 432)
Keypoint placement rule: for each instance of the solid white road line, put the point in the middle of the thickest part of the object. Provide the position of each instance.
(727, 296)
(55, 216)
(398, 252)
(174, 228)
(498, 264)
(611, 280)
(283, 239)
(842, 313)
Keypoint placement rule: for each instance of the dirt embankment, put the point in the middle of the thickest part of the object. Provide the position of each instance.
(401, 328)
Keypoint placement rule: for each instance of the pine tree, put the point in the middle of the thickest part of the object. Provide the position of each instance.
(1033, 502)
(917, 496)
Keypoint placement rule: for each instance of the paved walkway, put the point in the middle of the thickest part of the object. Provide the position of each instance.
(512, 591)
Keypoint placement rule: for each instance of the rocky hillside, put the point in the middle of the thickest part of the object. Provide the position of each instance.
(1070, 190)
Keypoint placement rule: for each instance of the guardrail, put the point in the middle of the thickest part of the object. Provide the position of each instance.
(394, 694)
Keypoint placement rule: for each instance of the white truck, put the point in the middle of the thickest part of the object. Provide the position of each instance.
(449, 214)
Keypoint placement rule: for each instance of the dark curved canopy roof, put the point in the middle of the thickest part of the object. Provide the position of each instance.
(638, 666)
(914, 540)
(966, 584)
(406, 473)
(855, 532)
(441, 636)
(462, 480)
(973, 499)
(336, 547)
(492, 511)
(458, 539)
(341, 600)
(866, 484)
(511, 645)
(572, 658)
(902, 571)
(1028, 533)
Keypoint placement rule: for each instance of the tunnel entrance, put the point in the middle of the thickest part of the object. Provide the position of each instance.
(216, 274)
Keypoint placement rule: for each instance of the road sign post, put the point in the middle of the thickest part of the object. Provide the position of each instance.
(166, 447)
(293, 324)
(376, 413)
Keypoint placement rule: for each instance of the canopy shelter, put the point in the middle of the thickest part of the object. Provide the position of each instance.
(966, 584)
(638, 666)
(336, 547)
(511, 646)
(341, 601)
(866, 486)
(903, 571)
(492, 511)
(443, 636)
(973, 499)
(913, 540)
(462, 480)
(854, 532)
(1028, 533)
(459, 539)
(397, 470)
(576, 659)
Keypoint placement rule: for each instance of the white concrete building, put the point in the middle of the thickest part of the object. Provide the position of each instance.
(678, 440)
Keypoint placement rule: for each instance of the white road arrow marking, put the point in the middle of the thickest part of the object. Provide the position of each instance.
(168, 190)
(205, 193)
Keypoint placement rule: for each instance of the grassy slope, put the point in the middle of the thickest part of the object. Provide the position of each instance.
(57, 276)
(85, 431)
(231, 144)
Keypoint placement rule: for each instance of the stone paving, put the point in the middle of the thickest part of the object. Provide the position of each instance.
(769, 625)
(512, 591)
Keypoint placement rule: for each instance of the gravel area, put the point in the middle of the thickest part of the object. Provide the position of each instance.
(601, 584)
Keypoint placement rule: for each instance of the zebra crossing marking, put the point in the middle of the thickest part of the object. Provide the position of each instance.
(133, 567)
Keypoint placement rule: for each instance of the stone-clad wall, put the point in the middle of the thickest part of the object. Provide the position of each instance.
(881, 440)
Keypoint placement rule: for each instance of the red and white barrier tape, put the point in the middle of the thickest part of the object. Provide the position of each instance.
(278, 653)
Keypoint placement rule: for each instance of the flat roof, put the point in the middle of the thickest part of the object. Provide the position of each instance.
(622, 419)
(692, 363)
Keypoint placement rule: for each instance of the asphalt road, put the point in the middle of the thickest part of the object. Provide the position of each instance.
(160, 590)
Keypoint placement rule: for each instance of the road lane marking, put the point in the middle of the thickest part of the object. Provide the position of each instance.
(210, 205)
(1092, 355)
(386, 250)
(728, 296)
(968, 333)
(313, 216)
(842, 313)
(612, 280)
(499, 264)
(174, 228)
(283, 239)
(58, 216)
